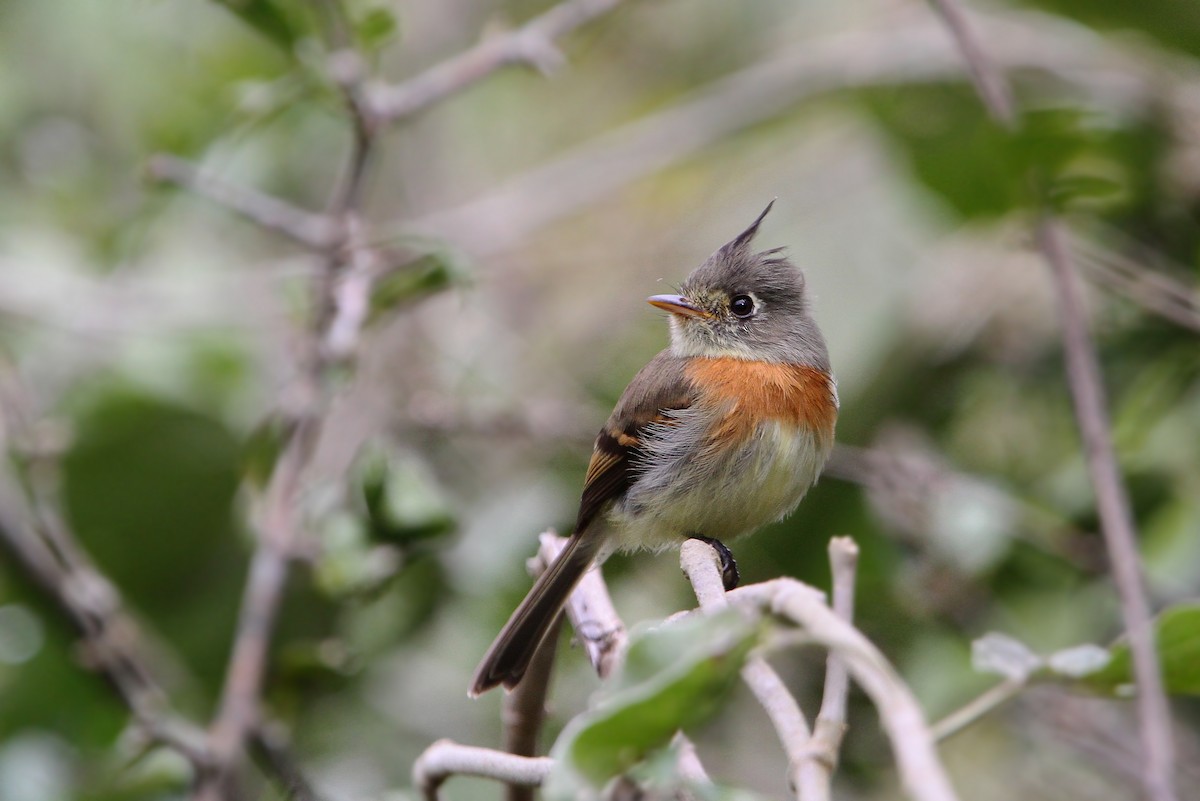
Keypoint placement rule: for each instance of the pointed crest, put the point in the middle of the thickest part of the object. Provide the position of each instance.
(743, 239)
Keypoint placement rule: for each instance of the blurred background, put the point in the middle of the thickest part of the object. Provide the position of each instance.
(147, 338)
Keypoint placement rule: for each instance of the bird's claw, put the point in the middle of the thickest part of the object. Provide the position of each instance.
(729, 569)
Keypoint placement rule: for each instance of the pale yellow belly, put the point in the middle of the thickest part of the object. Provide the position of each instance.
(759, 482)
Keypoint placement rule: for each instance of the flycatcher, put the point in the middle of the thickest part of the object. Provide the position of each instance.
(721, 433)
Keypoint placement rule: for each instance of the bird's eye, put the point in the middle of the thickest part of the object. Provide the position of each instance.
(742, 305)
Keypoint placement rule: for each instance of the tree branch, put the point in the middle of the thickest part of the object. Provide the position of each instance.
(590, 609)
(444, 759)
(1087, 392)
(269, 745)
(532, 44)
(975, 709)
(921, 771)
(332, 336)
(1116, 518)
(113, 645)
(702, 566)
(524, 710)
(313, 231)
(830, 727)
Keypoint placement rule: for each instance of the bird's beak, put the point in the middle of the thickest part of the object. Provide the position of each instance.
(677, 304)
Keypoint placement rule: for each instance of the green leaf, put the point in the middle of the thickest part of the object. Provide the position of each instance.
(675, 677)
(1068, 189)
(376, 27)
(1005, 656)
(952, 147)
(1177, 631)
(416, 276)
(267, 18)
(404, 501)
(262, 447)
(149, 487)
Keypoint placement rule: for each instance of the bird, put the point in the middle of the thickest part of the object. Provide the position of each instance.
(719, 434)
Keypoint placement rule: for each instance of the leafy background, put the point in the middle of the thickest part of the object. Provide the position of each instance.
(150, 334)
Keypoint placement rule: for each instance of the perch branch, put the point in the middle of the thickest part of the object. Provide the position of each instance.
(444, 759)
(532, 44)
(1087, 392)
(602, 633)
(921, 772)
(830, 726)
(701, 565)
(591, 612)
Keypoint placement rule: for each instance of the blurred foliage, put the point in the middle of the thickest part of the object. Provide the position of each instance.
(152, 338)
(674, 677)
(1177, 631)
(148, 482)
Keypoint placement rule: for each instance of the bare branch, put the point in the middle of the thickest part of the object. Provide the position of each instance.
(1087, 392)
(921, 771)
(1151, 289)
(532, 44)
(702, 567)
(1116, 519)
(332, 336)
(269, 744)
(524, 709)
(314, 231)
(830, 726)
(591, 612)
(990, 85)
(444, 759)
(689, 766)
(908, 49)
(975, 709)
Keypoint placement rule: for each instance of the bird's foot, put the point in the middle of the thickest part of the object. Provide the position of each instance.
(729, 570)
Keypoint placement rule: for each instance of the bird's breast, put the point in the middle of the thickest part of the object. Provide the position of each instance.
(744, 456)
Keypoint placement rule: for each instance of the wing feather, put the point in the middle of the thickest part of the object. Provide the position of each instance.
(654, 394)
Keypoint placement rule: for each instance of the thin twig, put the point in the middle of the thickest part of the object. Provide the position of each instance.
(989, 83)
(1116, 518)
(830, 726)
(701, 565)
(314, 231)
(532, 44)
(444, 759)
(269, 745)
(920, 770)
(976, 708)
(1087, 392)
(1151, 289)
(910, 49)
(690, 768)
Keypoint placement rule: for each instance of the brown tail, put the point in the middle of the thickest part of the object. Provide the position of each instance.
(505, 662)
